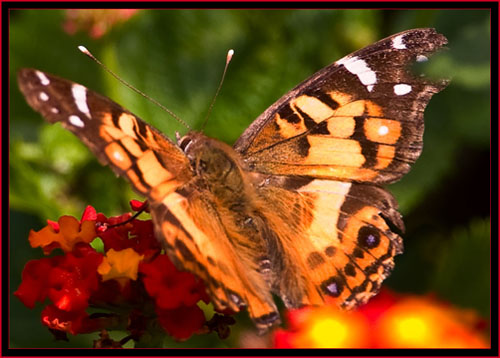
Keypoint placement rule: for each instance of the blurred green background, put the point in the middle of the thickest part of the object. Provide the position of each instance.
(177, 57)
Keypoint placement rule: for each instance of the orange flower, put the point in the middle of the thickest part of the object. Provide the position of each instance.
(416, 322)
(66, 233)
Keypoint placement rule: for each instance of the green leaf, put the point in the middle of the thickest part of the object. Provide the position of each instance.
(463, 272)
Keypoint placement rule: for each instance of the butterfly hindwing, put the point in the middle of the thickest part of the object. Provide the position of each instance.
(359, 119)
(338, 236)
(135, 150)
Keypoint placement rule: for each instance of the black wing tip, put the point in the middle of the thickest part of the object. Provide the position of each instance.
(23, 74)
(27, 77)
(424, 41)
(26, 72)
(427, 42)
(423, 32)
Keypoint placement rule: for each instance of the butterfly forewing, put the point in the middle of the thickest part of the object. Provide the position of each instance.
(151, 162)
(359, 119)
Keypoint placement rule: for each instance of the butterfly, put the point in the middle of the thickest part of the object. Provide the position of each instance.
(295, 207)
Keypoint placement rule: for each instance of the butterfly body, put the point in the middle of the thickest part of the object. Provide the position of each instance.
(295, 207)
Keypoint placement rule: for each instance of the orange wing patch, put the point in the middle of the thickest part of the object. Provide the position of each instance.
(131, 150)
(382, 130)
(326, 139)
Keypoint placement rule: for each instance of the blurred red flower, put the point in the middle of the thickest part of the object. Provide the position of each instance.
(96, 22)
(387, 321)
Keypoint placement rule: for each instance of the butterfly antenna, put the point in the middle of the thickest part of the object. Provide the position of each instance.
(229, 56)
(87, 52)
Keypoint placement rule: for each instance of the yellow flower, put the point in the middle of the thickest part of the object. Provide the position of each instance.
(120, 265)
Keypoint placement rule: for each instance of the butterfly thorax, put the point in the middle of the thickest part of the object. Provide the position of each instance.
(216, 166)
(220, 173)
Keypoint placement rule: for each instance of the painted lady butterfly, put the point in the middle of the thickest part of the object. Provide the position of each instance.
(295, 207)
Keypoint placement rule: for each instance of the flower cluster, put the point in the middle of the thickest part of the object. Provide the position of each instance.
(115, 265)
(387, 321)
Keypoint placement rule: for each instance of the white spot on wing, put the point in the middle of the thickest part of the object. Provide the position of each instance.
(80, 96)
(76, 121)
(402, 89)
(360, 68)
(398, 43)
(319, 185)
(368, 78)
(117, 156)
(383, 130)
(43, 79)
(54, 110)
(421, 58)
(43, 96)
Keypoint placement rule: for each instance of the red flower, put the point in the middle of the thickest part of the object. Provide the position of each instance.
(61, 320)
(181, 322)
(74, 322)
(176, 294)
(171, 288)
(137, 234)
(137, 205)
(34, 285)
(74, 279)
(67, 281)
(109, 281)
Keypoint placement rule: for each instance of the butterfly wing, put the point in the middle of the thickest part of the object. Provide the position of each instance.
(151, 162)
(337, 236)
(359, 119)
(200, 238)
(323, 149)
